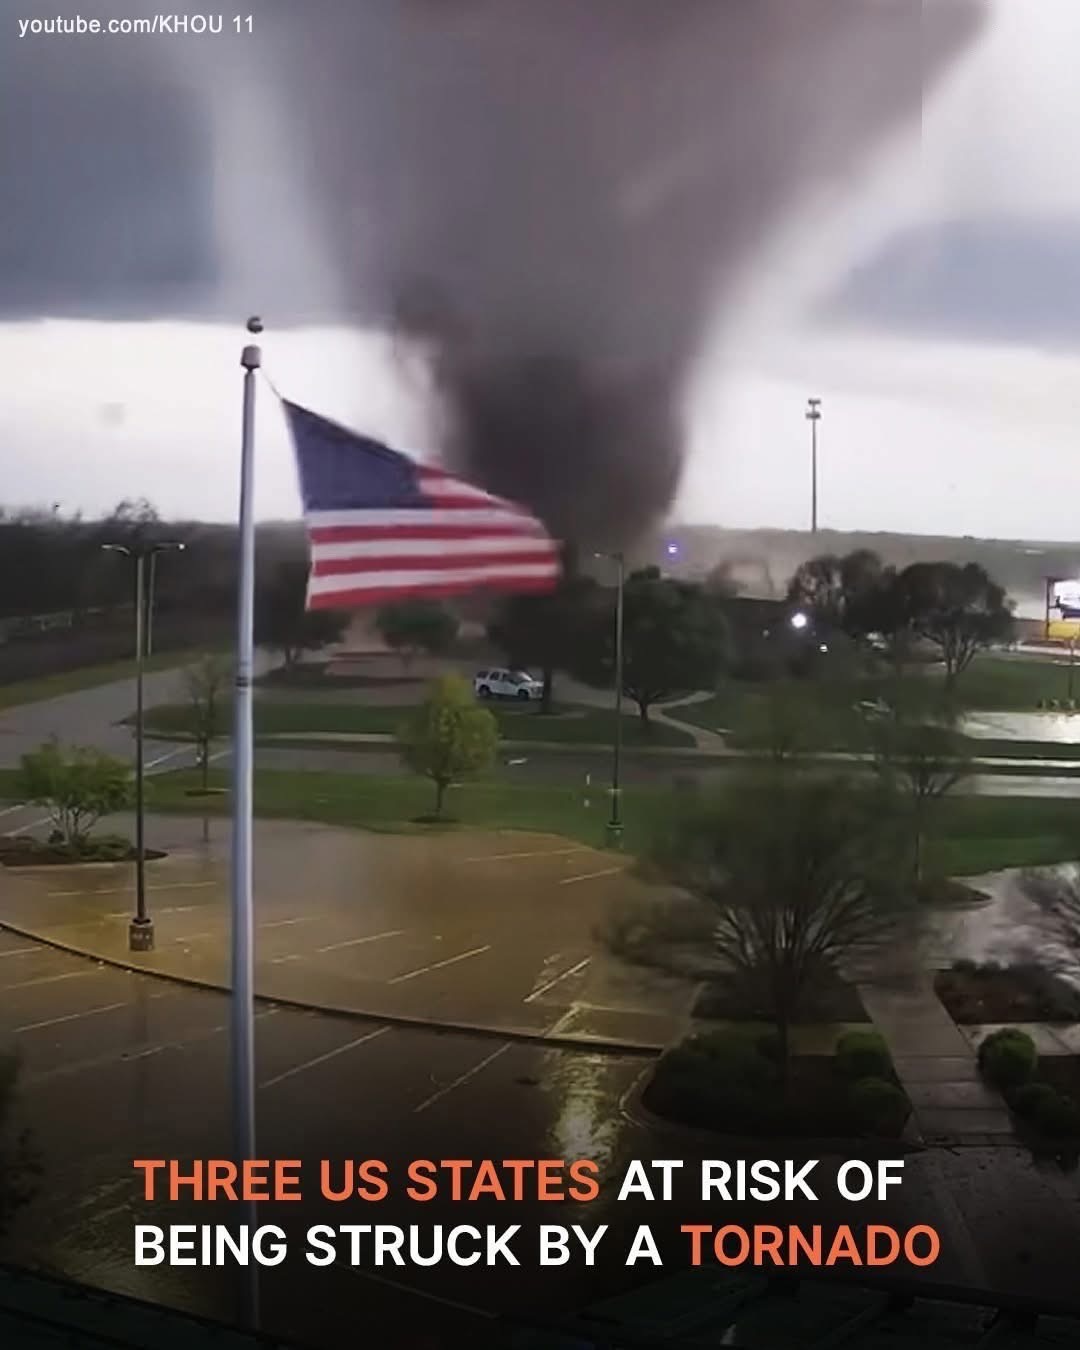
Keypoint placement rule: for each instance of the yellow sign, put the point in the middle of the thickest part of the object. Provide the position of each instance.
(1066, 629)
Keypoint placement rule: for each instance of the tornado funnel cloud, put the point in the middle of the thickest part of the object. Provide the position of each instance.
(574, 185)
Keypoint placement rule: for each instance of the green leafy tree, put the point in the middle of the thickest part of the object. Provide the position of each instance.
(956, 607)
(282, 621)
(849, 594)
(675, 639)
(800, 874)
(207, 687)
(448, 737)
(543, 632)
(77, 786)
(414, 626)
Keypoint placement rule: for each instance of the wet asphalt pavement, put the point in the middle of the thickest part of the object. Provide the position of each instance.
(116, 1066)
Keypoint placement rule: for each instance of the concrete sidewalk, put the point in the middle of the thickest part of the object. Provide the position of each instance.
(936, 1065)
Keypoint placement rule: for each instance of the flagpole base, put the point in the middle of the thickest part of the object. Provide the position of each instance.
(141, 935)
(614, 834)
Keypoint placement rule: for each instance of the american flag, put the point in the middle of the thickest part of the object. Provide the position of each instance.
(382, 527)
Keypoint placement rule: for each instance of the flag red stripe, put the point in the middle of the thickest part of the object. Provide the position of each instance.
(426, 562)
(358, 599)
(347, 534)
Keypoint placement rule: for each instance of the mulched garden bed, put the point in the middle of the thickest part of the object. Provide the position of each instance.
(24, 851)
(973, 994)
(834, 1001)
(815, 1105)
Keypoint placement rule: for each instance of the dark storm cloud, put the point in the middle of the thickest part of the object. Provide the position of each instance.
(108, 190)
(551, 193)
(1003, 280)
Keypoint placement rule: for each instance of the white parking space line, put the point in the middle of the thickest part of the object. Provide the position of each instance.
(20, 829)
(360, 941)
(8, 810)
(171, 754)
(562, 1021)
(285, 923)
(532, 853)
(280, 960)
(168, 909)
(150, 890)
(321, 1059)
(22, 951)
(48, 979)
(70, 1017)
(537, 993)
(464, 1078)
(591, 876)
(438, 965)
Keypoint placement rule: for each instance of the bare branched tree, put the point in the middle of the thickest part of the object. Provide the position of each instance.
(801, 872)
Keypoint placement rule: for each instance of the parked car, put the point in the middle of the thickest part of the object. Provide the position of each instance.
(517, 684)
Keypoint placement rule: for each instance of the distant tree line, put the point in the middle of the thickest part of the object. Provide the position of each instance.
(955, 608)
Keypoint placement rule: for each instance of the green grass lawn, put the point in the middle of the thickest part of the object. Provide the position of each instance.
(971, 834)
(993, 683)
(71, 681)
(581, 727)
(384, 803)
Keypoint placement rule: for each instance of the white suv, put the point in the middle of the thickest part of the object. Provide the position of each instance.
(517, 684)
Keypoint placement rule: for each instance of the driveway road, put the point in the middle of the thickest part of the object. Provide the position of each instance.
(84, 717)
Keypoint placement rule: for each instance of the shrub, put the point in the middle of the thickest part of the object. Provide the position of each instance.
(718, 1079)
(878, 1107)
(1058, 1116)
(863, 1054)
(735, 1056)
(1007, 1058)
(1029, 1100)
(1047, 1109)
(109, 848)
(965, 966)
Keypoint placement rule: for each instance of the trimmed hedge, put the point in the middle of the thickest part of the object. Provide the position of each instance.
(1007, 1058)
(879, 1107)
(863, 1054)
(1048, 1110)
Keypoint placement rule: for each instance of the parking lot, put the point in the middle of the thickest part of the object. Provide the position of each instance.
(487, 930)
(119, 1065)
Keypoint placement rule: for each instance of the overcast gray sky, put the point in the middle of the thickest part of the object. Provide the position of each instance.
(921, 295)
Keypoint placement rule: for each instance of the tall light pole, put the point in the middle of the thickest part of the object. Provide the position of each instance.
(141, 928)
(813, 416)
(615, 824)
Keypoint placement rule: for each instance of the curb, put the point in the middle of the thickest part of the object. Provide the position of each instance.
(640, 1049)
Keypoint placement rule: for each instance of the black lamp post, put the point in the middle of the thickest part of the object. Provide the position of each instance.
(615, 824)
(141, 928)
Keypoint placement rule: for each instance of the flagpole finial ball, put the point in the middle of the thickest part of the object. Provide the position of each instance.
(254, 324)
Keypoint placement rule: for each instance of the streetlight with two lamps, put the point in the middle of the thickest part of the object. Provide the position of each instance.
(141, 928)
(615, 824)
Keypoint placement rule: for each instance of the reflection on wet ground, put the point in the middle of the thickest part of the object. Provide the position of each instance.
(491, 929)
(142, 1067)
(1007, 928)
(1062, 728)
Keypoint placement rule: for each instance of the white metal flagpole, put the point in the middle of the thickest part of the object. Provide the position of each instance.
(243, 987)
